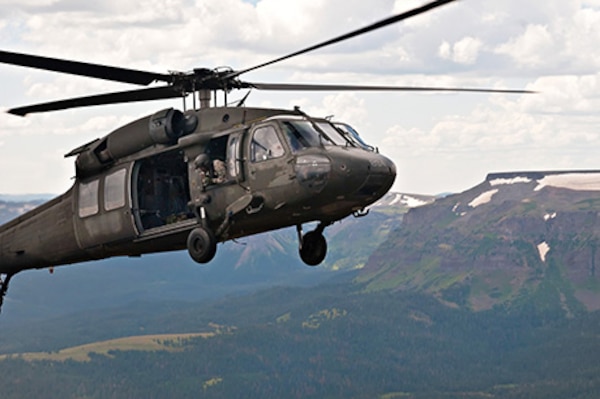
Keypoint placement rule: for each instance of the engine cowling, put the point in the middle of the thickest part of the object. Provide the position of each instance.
(163, 127)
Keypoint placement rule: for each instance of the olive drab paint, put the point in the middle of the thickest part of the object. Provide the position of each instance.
(146, 193)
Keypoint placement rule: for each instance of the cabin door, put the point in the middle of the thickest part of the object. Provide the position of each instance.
(160, 192)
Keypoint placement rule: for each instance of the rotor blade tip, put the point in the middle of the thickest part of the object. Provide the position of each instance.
(17, 112)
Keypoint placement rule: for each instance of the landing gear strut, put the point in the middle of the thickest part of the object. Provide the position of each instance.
(4, 287)
(312, 245)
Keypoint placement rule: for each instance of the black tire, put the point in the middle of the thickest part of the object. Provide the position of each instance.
(202, 245)
(314, 248)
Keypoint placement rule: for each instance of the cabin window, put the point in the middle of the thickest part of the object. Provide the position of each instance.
(114, 190)
(88, 198)
(265, 144)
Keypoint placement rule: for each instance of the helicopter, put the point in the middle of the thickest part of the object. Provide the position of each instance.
(176, 180)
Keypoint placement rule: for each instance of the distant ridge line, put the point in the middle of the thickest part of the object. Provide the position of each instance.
(26, 197)
(535, 174)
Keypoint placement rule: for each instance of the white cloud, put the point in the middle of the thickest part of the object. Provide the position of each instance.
(568, 94)
(567, 38)
(344, 106)
(532, 49)
(439, 141)
(465, 51)
(10, 122)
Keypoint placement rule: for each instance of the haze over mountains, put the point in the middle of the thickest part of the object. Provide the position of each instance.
(493, 243)
(240, 267)
(489, 293)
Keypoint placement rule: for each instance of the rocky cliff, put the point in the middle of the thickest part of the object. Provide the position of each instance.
(514, 236)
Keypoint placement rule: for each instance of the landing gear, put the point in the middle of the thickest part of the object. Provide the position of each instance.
(202, 245)
(4, 287)
(313, 245)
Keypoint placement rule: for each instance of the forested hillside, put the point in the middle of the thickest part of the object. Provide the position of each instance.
(329, 341)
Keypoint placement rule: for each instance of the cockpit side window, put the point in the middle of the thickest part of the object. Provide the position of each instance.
(265, 144)
(301, 134)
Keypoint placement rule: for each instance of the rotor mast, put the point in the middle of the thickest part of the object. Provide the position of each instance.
(204, 96)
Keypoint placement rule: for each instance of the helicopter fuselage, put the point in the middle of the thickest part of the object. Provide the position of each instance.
(144, 187)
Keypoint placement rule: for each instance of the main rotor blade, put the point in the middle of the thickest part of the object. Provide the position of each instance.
(154, 93)
(329, 87)
(366, 29)
(106, 72)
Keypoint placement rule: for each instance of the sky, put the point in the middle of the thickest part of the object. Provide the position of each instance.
(440, 142)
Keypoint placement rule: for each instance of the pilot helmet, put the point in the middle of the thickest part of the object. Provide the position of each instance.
(202, 161)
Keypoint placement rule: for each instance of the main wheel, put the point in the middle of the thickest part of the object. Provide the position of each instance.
(202, 245)
(314, 248)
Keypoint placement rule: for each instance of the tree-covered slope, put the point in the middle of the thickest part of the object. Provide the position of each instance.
(333, 341)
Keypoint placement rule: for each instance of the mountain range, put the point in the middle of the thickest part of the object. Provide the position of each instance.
(488, 293)
(243, 266)
(513, 236)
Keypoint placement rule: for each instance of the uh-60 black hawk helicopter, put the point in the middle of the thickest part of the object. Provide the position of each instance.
(176, 180)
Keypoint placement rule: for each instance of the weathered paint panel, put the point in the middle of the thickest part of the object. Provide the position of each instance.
(43, 237)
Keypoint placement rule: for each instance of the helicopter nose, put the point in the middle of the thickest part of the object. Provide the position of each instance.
(359, 177)
(380, 177)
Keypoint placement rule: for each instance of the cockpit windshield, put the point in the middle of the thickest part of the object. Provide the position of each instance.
(303, 134)
(353, 135)
(333, 134)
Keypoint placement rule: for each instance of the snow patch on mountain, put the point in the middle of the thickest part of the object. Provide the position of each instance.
(483, 198)
(549, 216)
(543, 249)
(571, 181)
(514, 180)
(407, 200)
(413, 202)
